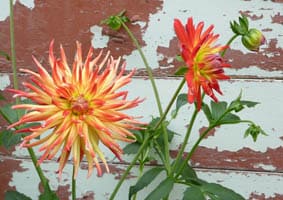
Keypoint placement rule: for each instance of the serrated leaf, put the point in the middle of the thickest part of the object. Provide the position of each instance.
(132, 148)
(145, 180)
(162, 190)
(220, 192)
(181, 71)
(15, 195)
(193, 193)
(8, 138)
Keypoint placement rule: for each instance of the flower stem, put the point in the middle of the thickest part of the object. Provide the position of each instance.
(170, 103)
(157, 98)
(13, 51)
(228, 44)
(189, 130)
(39, 171)
(144, 144)
(73, 185)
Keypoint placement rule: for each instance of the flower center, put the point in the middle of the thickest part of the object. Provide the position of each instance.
(80, 105)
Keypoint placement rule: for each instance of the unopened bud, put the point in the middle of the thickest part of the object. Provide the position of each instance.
(253, 39)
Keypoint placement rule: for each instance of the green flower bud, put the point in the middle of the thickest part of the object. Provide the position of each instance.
(253, 39)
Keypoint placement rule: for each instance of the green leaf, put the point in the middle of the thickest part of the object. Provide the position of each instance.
(206, 110)
(193, 193)
(181, 71)
(219, 192)
(254, 131)
(217, 109)
(48, 195)
(132, 148)
(188, 172)
(9, 114)
(162, 190)
(145, 180)
(4, 54)
(2, 97)
(8, 138)
(230, 118)
(179, 58)
(15, 195)
(238, 104)
(249, 104)
(182, 100)
(115, 22)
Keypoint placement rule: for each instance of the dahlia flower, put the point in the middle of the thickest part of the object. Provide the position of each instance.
(80, 107)
(205, 65)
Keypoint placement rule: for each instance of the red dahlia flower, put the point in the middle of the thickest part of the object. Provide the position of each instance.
(205, 65)
(80, 107)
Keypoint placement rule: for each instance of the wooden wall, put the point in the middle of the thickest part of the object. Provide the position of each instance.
(252, 169)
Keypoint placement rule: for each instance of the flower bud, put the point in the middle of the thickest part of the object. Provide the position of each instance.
(253, 39)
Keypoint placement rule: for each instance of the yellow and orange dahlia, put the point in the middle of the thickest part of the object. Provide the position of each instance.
(80, 107)
(205, 65)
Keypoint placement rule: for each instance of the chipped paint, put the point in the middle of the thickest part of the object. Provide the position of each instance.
(247, 183)
(4, 81)
(5, 7)
(153, 27)
(98, 40)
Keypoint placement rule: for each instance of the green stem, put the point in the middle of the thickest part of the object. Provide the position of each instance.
(228, 44)
(149, 71)
(170, 103)
(144, 144)
(189, 130)
(157, 98)
(39, 171)
(13, 51)
(73, 185)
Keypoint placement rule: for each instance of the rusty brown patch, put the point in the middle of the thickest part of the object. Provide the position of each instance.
(278, 18)
(63, 192)
(210, 133)
(244, 159)
(248, 14)
(277, 1)
(273, 62)
(7, 168)
(89, 195)
(66, 22)
(254, 196)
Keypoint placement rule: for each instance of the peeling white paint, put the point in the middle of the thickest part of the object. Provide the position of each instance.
(243, 183)
(246, 183)
(254, 71)
(160, 26)
(98, 40)
(265, 167)
(5, 7)
(4, 81)
(229, 137)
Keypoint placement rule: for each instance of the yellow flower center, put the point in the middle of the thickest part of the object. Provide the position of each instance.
(80, 106)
